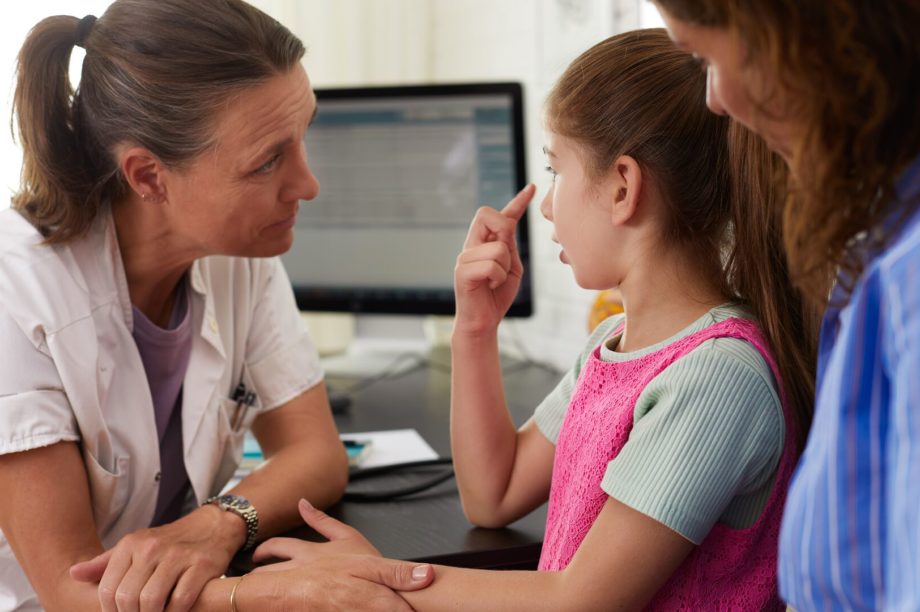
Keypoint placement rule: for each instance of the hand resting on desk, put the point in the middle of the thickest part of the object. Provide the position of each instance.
(346, 573)
(343, 540)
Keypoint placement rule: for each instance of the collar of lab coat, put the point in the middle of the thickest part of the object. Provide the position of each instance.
(207, 361)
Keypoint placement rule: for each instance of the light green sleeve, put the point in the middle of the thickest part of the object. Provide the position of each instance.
(706, 441)
(551, 411)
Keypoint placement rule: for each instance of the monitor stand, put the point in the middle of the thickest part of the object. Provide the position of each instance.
(382, 347)
(381, 344)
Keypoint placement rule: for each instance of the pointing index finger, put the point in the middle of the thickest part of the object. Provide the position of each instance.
(518, 204)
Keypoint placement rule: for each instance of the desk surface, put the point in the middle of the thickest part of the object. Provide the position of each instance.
(430, 526)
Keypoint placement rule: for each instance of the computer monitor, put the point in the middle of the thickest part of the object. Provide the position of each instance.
(402, 171)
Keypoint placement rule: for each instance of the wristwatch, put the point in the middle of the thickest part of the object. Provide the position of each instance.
(244, 509)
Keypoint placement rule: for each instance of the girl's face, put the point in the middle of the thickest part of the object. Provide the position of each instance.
(241, 196)
(735, 85)
(582, 224)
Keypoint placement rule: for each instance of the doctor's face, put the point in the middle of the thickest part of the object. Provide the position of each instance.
(242, 195)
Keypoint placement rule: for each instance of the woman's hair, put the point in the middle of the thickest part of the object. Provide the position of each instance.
(636, 94)
(156, 74)
(852, 70)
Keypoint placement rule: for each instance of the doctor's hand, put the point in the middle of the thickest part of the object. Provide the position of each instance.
(345, 573)
(342, 540)
(334, 582)
(164, 568)
(489, 269)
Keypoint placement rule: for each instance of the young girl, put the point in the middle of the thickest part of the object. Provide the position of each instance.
(666, 451)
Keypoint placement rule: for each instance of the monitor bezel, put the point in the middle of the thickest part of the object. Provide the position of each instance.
(317, 299)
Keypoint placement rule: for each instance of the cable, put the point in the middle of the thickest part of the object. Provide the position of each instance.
(391, 494)
(394, 369)
(391, 370)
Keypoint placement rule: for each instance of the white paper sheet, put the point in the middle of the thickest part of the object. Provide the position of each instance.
(393, 446)
(387, 447)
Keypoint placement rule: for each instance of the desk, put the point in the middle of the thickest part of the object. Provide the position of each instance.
(430, 526)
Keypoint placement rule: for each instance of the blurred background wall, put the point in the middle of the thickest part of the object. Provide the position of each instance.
(367, 42)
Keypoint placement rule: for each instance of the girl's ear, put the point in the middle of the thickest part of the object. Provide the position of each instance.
(144, 173)
(626, 181)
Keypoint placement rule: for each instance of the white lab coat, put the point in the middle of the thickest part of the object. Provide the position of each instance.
(70, 371)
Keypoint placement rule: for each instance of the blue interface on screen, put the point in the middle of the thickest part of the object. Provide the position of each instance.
(400, 180)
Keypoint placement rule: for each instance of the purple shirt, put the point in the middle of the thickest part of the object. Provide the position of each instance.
(165, 354)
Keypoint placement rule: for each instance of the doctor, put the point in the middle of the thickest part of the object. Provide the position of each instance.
(146, 324)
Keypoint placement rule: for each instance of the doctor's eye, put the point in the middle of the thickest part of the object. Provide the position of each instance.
(269, 165)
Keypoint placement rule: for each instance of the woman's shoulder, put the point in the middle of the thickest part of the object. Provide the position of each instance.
(901, 259)
(41, 286)
(17, 235)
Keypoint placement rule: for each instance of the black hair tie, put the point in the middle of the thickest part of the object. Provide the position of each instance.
(83, 28)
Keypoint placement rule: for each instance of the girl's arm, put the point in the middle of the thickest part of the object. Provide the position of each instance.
(489, 454)
(623, 561)
(502, 473)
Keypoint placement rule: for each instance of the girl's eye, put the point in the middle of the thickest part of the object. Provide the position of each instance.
(552, 172)
(269, 165)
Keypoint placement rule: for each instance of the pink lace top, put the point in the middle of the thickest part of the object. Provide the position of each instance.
(732, 569)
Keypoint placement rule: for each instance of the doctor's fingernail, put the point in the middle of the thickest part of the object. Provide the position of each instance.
(420, 572)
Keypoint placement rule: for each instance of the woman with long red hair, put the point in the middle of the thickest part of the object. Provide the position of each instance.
(833, 87)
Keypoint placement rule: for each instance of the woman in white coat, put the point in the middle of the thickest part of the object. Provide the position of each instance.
(146, 323)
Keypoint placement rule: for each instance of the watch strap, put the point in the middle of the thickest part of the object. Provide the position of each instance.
(243, 508)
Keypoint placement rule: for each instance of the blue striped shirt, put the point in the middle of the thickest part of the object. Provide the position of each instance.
(851, 531)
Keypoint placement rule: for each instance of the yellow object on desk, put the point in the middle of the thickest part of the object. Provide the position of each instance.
(607, 303)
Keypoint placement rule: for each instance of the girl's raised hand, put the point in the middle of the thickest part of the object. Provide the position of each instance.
(489, 270)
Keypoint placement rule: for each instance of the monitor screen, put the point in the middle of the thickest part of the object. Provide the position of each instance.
(402, 171)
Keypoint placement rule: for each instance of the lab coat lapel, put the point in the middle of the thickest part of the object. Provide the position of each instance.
(201, 391)
(100, 347)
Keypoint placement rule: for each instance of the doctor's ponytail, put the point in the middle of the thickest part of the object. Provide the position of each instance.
(57, 174)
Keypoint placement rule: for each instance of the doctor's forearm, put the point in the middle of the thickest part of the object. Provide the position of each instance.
(304, 459)
(71, 595)
(316, 471)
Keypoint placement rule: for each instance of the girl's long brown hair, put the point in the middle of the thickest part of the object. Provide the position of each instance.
(155, 74)
(851, 69)
(636, 94)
